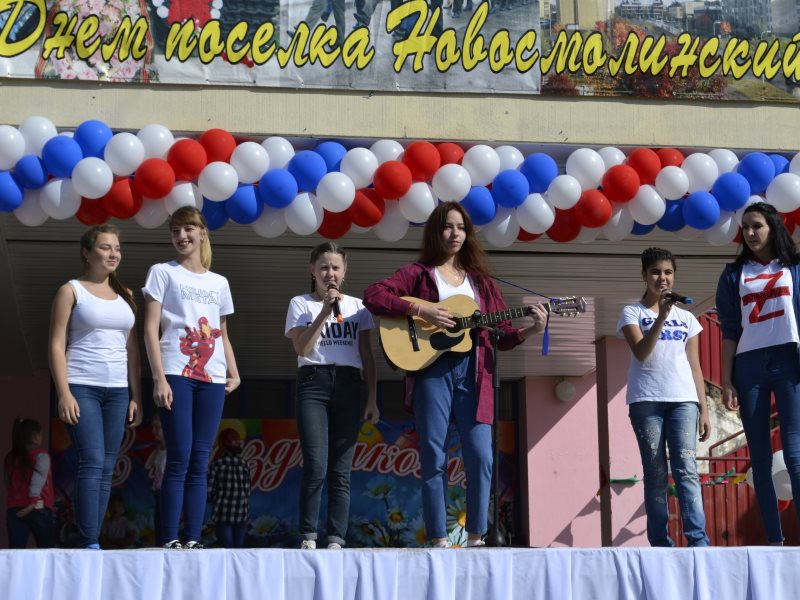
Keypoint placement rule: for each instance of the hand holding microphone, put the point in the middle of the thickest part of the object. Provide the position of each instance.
(673, 297)
(336, 310)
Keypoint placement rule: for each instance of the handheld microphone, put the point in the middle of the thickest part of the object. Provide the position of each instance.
(336, 311)
(673, 297)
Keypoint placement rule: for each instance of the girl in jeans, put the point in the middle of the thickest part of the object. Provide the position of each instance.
(758, 301)
(666, 397)
(193, 368)
(457, 385)
(330, 333)
(94, 361)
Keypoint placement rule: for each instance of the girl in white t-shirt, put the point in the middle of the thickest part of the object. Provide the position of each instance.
(94, 361)
(193, 367)
(331, 334)
(666, 399)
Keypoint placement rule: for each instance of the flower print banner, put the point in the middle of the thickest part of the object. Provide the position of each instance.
(385, 505)
(624, 48)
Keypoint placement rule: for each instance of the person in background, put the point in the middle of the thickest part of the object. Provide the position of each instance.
(229, 490)
(117, 531)
(155, 465)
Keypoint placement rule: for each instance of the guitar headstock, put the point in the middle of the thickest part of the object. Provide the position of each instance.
(571, 306)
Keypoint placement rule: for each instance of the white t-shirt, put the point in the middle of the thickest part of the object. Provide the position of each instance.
(765, 293)
(665, 375)
(337, 344)
(447, 291)
(97, 351)
(191, 307)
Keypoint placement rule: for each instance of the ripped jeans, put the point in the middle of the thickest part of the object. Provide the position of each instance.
(659, 425)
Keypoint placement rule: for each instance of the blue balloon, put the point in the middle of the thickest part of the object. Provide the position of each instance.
(11, 193)
(758, 169)
(215, 213)
(244, 206)
(539, 169)
(30, 172)
(307, 167)
(639, 229)
(731, 191)
(479, 205)
(60, 155)
(510, 188)
(673, 217)
(277, 188)
(332, 153)
(701, 210)
(781, 163)
(92, 136)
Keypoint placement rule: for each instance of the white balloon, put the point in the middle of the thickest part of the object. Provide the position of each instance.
(725, 159)
(92, 178)
(587, 166)
(218, 181)
(451, 183)
(358, 229)
(647, 206)
(611, 157)
(12, 147)
(688, 233)
(336, 192)
(184, 193)
(619, 225)
(739, 213)
(502, 231)
(724, 231)
(152, 214)
(783, 192)
(418, 203)
(393, 226)
(563, 192)
(30, 212)
(124, 152)
(304, 214)
(482, 163)
(280, 151)
(386, 150)
(156, 139)
(359, 164)
(535, 215)
(588, 234)
(250, 161)
(36, 131)
(271, 223)
(59, 199)
(510, 157)
(701, 170)
(672, 182)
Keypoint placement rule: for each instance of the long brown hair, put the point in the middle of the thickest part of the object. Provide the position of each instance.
(22, 432)
(471, 257)
(88, 240)
(189, 215)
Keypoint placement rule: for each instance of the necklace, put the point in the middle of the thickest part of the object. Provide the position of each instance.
(453, 274)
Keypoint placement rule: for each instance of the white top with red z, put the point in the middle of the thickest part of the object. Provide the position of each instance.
(765, 291)
(192, 305)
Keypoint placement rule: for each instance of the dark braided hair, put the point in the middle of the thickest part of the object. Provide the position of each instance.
(654, 255)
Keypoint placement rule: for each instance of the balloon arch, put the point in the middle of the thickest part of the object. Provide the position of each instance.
(93, 174)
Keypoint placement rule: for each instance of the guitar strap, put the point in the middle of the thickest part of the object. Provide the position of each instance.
(546, 333)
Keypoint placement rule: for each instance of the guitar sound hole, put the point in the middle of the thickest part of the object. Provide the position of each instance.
(441, 341)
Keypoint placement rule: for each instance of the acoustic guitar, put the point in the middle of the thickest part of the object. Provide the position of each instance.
(411, 344)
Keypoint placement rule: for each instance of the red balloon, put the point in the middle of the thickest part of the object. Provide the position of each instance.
(334, 225)
(524, 236)
(565, 228)
(788, 221)
(593, 209)
(218, 144)
(123, 200)
(392, 180)
(187, 158)
(620, 184)
(154, 178)
(451, 153)
(91, 213)
(422, 159)
(367, 208)
(646, 163)
(670, 157)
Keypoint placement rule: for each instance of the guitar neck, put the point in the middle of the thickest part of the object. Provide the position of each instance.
(492, 318)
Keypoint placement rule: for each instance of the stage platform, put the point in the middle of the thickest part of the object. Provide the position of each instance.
(751, 573)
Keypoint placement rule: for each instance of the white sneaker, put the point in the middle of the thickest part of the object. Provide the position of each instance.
(334, 546)
(173, 545)
(443, 544)
(308, 545)
(475, 543)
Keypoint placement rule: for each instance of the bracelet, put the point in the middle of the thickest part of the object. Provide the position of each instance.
(419, 308)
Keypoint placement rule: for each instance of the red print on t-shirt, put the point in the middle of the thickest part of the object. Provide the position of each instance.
(199, 345)
(760, 298)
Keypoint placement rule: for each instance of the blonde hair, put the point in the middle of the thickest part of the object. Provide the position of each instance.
(189, 215)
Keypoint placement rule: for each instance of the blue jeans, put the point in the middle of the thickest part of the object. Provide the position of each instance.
(40, 523)
(445, 391)
(189, 432)
(756, 374)
(231, 535)
(97, 438)
(328, 406)
(658, 425)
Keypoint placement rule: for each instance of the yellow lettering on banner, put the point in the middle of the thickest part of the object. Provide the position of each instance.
(626, 57)
(356, 49)
(210, 44)
(447, 52)
(417, 44)
(180, 38)
(63, 38)
(296, 45)
(322, 37)
(709, 50)
(526, 43)
(263, 47)
(594, 53)
(734, 50)
(500, 53)
(11, 49)
(235, 37)
(764, 59)
(84, 45)
(791, 59)
(131, 40)
(565, 53)
(474, 42)
(687, 57)
(652, 58)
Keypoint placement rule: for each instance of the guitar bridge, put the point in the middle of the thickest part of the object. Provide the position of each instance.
(412, 333)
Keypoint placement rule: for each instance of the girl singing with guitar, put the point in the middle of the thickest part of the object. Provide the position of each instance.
(457, 385)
